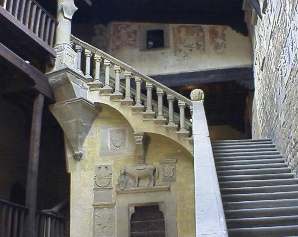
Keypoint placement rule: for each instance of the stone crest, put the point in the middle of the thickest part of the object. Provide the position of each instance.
(117, 138)
(168, 170)
(103, 177)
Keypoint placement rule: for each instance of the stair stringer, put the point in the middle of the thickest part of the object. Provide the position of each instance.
(137, 122)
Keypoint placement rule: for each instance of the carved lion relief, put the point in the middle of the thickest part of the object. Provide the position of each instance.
(217, 37)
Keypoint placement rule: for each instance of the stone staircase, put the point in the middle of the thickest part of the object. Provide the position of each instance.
(148, 105)
(259, 192)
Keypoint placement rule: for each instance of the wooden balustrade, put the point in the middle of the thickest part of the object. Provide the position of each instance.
(13, 219)
(34, 17)
(124, 82)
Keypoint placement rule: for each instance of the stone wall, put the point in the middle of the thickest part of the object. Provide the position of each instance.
(275, 112)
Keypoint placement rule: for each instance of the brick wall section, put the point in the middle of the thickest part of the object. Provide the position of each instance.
(275, 112)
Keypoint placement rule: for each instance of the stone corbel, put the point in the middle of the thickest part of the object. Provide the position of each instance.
(67, 84)
(75, 117)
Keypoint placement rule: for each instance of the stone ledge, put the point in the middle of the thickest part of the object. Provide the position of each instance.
(143, 189)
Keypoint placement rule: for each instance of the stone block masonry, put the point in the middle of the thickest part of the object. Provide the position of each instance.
(275, 111)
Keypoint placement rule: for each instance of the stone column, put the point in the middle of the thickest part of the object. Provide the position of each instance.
(139, 150)
(160, 104)
(66, 56)
(182, 129)
(171, 122)
(127, 97)
(209, 212)
(88, 56)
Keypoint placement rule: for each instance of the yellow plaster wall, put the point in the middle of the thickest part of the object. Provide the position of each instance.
(83, 172)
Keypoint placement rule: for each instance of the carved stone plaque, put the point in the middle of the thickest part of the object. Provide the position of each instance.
(103, 184)
(168, 170)
(104, 222)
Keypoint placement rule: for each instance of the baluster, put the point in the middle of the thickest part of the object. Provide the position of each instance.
(3, 220)
(47, 32)
(33, 13)
(138, 105)
(107, 88)
(22, 222)
(10, 6)
(4, 4)
(96, 84)
(49, 223)
(117, 94)
(22, 11)
(160, 93)
(16, 9)
(127, 97)
(41, 33)
(182, 129)
(88, 55)
(171, 122)
(79, 50)
(97, 60)
(15, 223)
(36, 27)
(9, 219)
(52, 35)
(28, 10)
(149, 113)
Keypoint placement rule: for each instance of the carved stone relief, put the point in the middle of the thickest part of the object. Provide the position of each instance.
(103, 184)
(137, 176)
(115, 141)
(104, 222)
(168, 170)
(188, 39)
(217, 38)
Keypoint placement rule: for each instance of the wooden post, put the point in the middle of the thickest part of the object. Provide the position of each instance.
(33, 163)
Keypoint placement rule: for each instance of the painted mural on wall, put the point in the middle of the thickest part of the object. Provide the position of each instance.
(217, 38)
(187, 39)
(124, 35)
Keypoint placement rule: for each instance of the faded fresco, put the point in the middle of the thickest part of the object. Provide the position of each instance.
(217, 38)
(188, 39)
(124, 35)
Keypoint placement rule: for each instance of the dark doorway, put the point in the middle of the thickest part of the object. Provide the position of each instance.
(147, 221)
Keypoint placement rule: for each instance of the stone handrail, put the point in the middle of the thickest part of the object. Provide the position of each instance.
(129, 68)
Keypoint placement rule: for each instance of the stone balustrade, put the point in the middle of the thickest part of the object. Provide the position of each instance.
(115, 78)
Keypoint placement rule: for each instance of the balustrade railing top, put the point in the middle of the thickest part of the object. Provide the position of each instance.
(34, 17)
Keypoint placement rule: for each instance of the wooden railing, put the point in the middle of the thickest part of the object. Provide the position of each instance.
(34, 17)
(13, 222)
(93, 62)
(12, 219)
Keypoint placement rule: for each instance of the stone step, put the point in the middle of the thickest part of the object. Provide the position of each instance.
(245, 223)
(249, 162)
(245, 146)
(261, 204)
(262, 212)
(258, 183)
(254, 171)
(259, 196)
(242, 150)
(246, 153)
(263, 189)
(255, 177)
(241, 141)
(247, 157)
(274, 231)
(250, 166)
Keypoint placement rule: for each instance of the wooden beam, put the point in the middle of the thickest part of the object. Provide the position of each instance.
(33, 164)
(206, 77)
(41, 83)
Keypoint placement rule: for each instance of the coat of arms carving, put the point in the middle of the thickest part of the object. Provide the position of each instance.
(103, 178)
